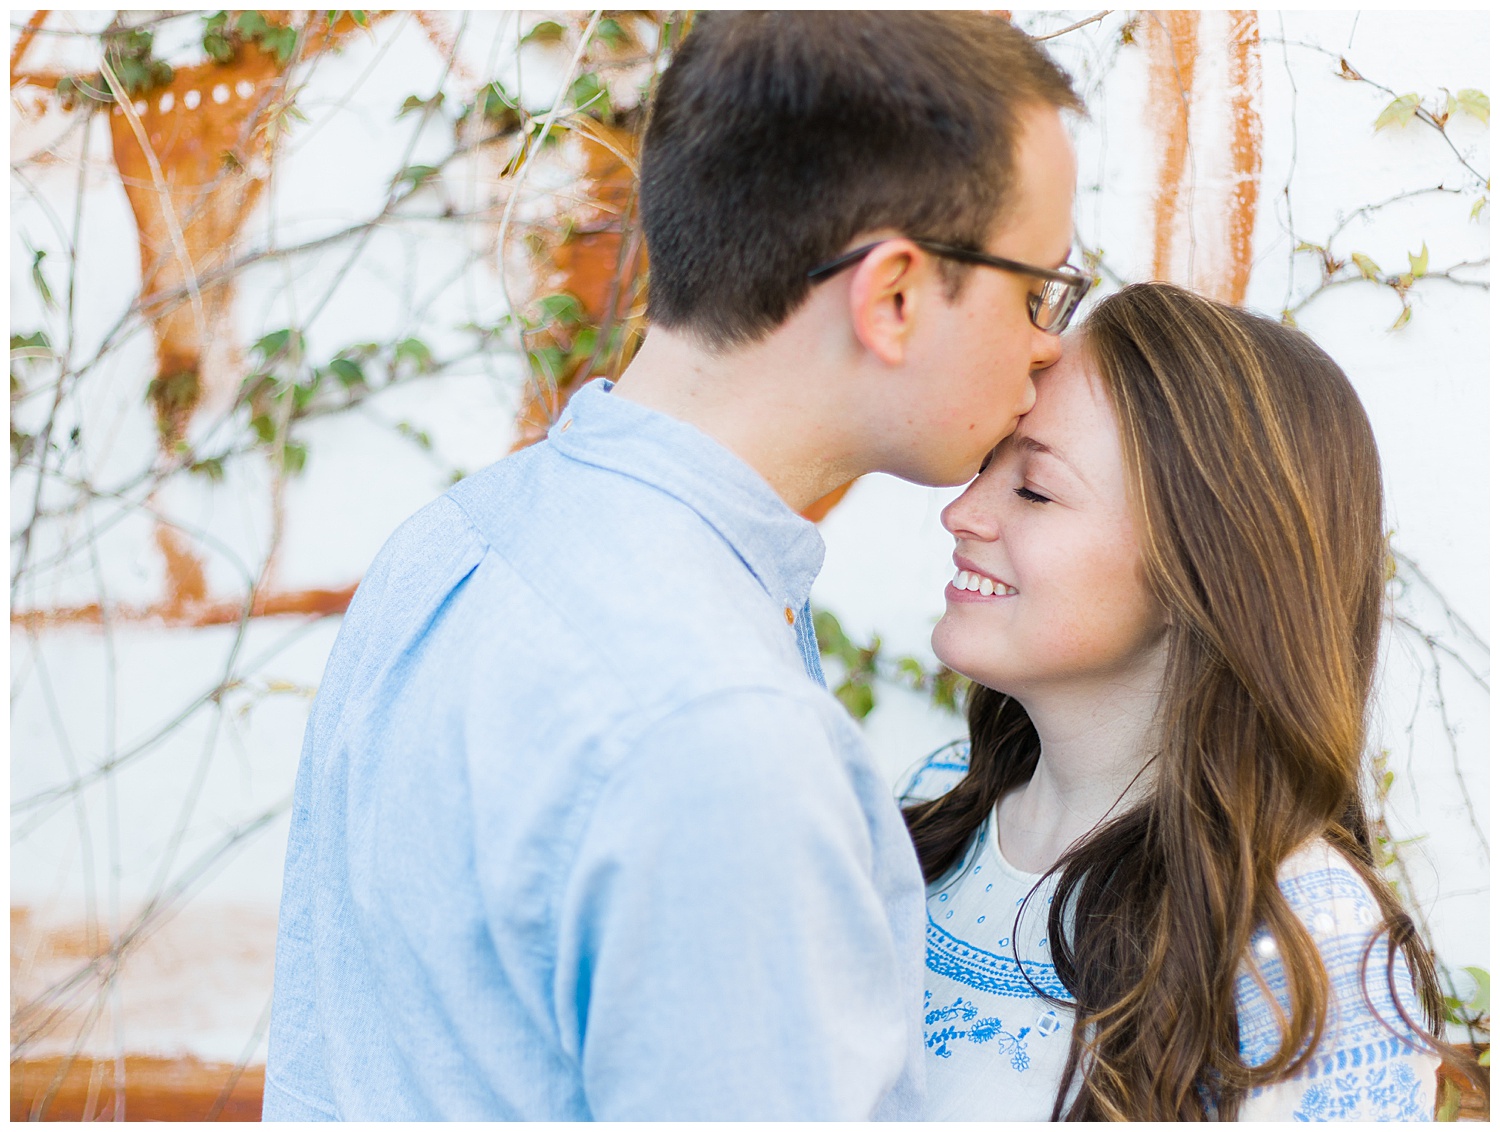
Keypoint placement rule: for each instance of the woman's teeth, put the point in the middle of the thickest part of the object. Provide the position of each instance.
(966, 580)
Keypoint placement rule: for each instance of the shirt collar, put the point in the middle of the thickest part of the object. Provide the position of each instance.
(783, 550)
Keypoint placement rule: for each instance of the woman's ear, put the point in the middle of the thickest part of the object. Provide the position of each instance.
(887, 294)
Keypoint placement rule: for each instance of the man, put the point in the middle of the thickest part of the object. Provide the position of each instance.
(578, 831)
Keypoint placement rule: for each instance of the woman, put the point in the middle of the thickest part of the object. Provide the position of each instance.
(1151, 889)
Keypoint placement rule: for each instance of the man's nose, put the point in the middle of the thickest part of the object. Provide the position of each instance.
(1045, 349)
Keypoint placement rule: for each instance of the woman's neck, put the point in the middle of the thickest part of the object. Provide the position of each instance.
(1095, 763)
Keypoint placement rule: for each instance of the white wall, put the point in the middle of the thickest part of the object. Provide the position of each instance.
(81, 695)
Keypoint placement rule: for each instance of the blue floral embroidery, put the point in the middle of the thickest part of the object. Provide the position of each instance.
(961, 961)
(975, 1029)
(1387, 1092)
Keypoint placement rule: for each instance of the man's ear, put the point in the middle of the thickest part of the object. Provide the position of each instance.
(886, 295)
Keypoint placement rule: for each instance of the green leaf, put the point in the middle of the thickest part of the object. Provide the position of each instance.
(264, 428)
(22, 444)
(830, 634)
(589, 93)
(279, 343)
(250, 24)
(911, 668)
(1418, 262)
(304, 392)
(1479, 1001)
(857, 697)
(547, 361)
(584, 342)
(415, 102)
(1399, 112)
(421, 439)
(947, 687)
(1367, 266)
(415, 175)
(218, 46)
(211, 469)
(612, 33)
(1484, 1058)
(561, 308)
(1402, 319)
(1478, 207)
(360, 17)
(347, 371)
(415, 351)
(497, 106)
(281, 42)
(175, 392)
(1447, 1108)
(546, 32)
(1475, 103)
(39, 279)
(293, 457)
(37, 341)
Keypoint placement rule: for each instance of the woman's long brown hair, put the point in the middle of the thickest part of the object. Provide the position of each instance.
(1258, 498)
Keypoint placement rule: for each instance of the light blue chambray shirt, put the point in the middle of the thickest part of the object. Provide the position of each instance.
(578, 832)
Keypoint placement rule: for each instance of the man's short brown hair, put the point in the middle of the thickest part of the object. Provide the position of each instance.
(778, 137)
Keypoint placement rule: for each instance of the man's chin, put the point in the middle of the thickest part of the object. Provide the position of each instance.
(945, 475)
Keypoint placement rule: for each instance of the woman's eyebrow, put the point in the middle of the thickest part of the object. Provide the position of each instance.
(1031, 444)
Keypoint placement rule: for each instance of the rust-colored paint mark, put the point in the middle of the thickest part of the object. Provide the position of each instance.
(446, 43)
(818, 511)
(1244, 149)
(207, 134)
(155, 1089)
(186, 585)
(594, 264)
(298, 603)
(1172, 49)
(28, 33)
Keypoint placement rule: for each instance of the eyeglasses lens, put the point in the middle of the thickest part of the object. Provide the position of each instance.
(1053, 307)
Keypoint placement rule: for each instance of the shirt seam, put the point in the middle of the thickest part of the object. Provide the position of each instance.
(274, 1079)
(714, 525)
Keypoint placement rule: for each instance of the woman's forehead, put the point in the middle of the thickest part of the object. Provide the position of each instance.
(1069, 398)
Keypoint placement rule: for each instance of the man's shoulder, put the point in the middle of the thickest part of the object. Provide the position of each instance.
(601, 566)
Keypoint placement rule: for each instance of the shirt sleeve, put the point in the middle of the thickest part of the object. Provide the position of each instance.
(1370, 1064)
(725, 952)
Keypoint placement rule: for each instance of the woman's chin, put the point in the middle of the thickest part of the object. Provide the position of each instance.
(948, 645)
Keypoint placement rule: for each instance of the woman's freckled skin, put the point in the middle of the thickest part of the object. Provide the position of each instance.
(1082, 610)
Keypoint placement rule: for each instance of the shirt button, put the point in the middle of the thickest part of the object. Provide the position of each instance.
(791, 618)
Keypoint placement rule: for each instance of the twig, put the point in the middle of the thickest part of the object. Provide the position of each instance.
(1094, 19)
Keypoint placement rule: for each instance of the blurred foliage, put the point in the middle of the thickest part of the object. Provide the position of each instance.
(863, 669)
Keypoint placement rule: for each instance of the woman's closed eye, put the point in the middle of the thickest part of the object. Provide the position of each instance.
(1031, 496)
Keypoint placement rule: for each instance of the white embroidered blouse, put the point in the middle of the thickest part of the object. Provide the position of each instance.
(996, 1048)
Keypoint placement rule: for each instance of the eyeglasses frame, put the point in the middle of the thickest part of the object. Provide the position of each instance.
(1078, 283)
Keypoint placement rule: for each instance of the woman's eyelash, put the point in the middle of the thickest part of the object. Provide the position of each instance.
(1030, 496)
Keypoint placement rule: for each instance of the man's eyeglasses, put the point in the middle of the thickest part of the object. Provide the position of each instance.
(1051, 309)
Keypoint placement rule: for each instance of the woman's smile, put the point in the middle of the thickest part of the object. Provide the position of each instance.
(1050, 517)
(973, 584)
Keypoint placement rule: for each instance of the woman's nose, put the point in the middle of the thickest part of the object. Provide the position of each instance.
(972, 515)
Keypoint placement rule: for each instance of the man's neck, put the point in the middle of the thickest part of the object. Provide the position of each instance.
(774, 404)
